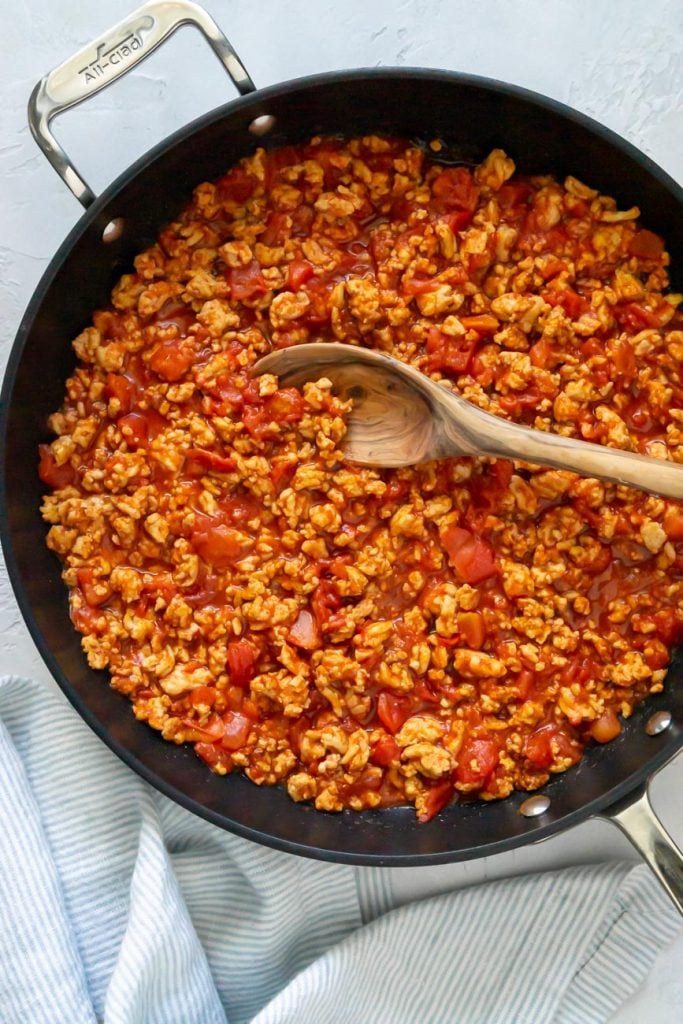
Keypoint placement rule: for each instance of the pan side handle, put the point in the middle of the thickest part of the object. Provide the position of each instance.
(636, 818)
(109, 57)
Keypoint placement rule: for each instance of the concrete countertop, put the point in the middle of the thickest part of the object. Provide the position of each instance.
(619, 63)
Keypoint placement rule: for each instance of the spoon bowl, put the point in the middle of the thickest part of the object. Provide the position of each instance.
(390, 423)
(401, 417)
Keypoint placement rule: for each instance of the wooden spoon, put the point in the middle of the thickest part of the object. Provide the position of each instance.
(401, 417)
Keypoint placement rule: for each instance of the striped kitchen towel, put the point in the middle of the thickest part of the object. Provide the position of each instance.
(118, 906)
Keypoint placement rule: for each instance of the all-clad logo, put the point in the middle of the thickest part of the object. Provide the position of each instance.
(116, 54)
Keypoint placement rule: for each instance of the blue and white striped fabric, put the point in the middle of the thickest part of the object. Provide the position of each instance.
(118, 906)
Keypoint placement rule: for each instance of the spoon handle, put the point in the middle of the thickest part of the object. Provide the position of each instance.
(491, 435)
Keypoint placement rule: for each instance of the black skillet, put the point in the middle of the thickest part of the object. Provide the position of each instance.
(472, 116)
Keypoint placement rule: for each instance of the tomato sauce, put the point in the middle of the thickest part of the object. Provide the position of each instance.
(371, 637)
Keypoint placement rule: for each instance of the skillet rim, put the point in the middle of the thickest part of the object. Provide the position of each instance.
(666, 746)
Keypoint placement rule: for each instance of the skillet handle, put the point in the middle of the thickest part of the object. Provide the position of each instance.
(109, 57)
(636, 818)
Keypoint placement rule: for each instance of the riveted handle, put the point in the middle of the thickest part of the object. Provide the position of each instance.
(636, 818)
(109, 57)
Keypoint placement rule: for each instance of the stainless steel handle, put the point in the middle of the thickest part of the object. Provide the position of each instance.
(109, 57)
(635, 816)
(492, 435)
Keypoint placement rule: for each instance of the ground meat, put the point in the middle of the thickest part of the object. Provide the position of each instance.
(373, 637)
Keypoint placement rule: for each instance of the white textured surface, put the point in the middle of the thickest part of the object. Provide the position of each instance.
(618, 62)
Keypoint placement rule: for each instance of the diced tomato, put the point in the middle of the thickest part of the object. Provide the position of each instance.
(402, 209)
(286, 406)
(476, 760)
(234, 698)
(298, 273)
(515, 403)
(211, 732)
(525, 684)
(472, 628)
(161, 584)
(338, 567)
(541, 353)
(246, 282)
(203, 696)
(445, 353)
(237, 729)
(426, 691)
(282, 470)
(236, 186)
(606, 728)
(240, 508)
(669, 628)
(156, 423)
(53, 475)
(380, 245)
(241, 662)
(484, 323)
(513, 193)
(366, 783)
(257, 421)
(170, 360)
(95, 591)
(213, 755)
(277, 227)
(481, 373)
(319, 311)
(122, 388)
(133, 426)
(87, 619)
(296, 732)
(250, 709)
(325, 601)
(251, 393)
(198, 462)
(457, 220)
(551, 267)
(305, 632)
(547, 742)
(571, 302)
(646, 245)
(673, 523)
(396, 488)
(438, 796)
(473, 557)
(276, 159)
(540, 238)
(566, 747)
(219, 545)
(384, 751)
(501, 469)
(419, 285)
(302, 218)
(456, 189)
(592, 347)
(392, 711)
(579, 669)
(477, 260)
(228, 392)
(635, 317)
(625, 359)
